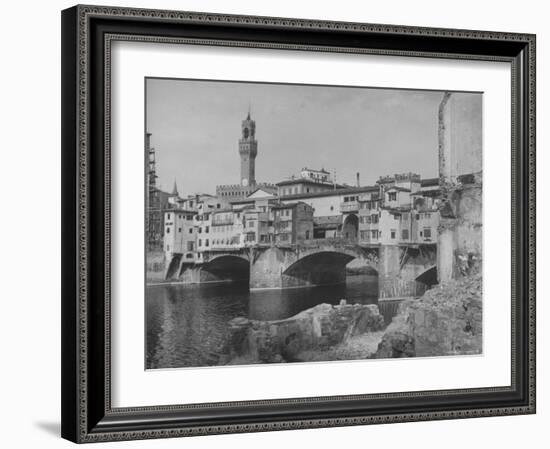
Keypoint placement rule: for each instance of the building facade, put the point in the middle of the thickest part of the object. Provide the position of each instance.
(292, 223)
(180, 233)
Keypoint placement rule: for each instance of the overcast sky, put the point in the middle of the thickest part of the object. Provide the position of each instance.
(196, 126)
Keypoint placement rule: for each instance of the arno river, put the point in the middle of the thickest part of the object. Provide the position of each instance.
(186, 324)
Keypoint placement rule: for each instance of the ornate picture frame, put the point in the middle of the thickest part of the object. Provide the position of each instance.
(87, 35)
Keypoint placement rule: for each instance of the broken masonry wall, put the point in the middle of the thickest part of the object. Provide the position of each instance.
(460, 178)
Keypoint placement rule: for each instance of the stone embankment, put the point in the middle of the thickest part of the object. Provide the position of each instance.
(447, 320)
(313, 334)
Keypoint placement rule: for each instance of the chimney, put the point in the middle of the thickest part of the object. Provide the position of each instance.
(357, 176)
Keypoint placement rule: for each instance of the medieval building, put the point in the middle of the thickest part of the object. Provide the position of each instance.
(248, 150)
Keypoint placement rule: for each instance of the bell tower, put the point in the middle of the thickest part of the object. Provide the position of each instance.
(248, 149)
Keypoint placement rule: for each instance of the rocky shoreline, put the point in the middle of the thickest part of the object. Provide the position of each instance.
(446, 320)
(317, 329)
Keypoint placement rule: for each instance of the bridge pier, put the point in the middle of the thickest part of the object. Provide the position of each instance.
(266, 268)
(396, 275)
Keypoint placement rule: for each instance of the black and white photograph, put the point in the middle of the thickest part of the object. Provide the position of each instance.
(310, 223)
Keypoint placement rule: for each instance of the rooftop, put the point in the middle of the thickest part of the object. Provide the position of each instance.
(429, 182)
(315, 170)
(180, 211)
(399, 188)
(288, 205)
(307, 181)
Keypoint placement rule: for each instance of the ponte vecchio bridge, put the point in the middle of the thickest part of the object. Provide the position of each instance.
(404, 270)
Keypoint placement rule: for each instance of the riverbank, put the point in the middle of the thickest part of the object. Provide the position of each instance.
(446, 320)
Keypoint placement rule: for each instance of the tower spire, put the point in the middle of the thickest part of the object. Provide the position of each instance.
(175, 189)
(248, 115)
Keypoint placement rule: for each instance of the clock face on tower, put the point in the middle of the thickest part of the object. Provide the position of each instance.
(245, 182)
(246, 133)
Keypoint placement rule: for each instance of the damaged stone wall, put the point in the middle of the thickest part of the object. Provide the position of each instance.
(460, 179)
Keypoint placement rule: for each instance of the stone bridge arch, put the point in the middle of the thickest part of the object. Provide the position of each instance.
(303, 265)
(217, 268)
(350, 227)
(406, 271)
(321, 267)
(428, 277)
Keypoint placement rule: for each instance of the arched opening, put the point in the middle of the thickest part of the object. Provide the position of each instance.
(173, 265)
(325, 267)
(427, 279)
(226, 268)
(350, 228)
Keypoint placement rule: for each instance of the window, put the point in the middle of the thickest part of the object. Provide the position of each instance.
(205, 242)
(200, 242)
(179, 230)
(374, 218)
(168, 216)
(200, 229)
(206, 229)
(307, 234)
(417, 216)
(167, 247)
(190, 230)
(168, 230)
(427, 233)
(392, 234)
(392, 196)
(250, 224)
(405, 234)
(331, 208)
(190, 246)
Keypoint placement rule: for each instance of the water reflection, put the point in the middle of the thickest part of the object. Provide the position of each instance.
(186, 325)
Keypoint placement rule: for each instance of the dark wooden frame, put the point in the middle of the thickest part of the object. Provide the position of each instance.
(87, 32)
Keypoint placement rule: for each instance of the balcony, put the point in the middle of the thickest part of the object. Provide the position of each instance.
(222, 221)
(350, 206)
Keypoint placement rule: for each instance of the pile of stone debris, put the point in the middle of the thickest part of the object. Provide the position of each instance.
(447, 320)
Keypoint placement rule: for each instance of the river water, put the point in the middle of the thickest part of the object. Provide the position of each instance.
(186, 324)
